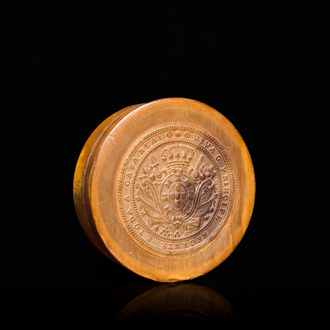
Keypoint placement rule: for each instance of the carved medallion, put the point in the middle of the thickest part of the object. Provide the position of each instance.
(175, 191)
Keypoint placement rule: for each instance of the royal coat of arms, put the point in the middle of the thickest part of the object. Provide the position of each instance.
(176, 198)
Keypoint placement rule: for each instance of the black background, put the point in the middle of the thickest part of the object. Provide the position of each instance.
(265, 67)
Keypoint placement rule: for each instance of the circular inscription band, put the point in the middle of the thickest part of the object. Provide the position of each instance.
(175, 191)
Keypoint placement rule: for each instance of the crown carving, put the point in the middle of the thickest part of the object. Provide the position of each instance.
(177, 155)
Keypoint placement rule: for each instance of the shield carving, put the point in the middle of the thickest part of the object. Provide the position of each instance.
(178, 193)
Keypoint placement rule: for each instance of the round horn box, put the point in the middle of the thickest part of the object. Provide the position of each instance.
(165, 188)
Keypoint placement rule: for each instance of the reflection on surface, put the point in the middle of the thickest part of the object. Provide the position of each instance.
(180, 304)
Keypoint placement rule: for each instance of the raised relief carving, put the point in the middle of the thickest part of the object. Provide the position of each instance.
(171, 184)
(176, 198)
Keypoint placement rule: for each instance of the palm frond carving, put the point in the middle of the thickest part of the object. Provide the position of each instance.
(149, 209)
(206, 195)
(147, 197)
(203, 209)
